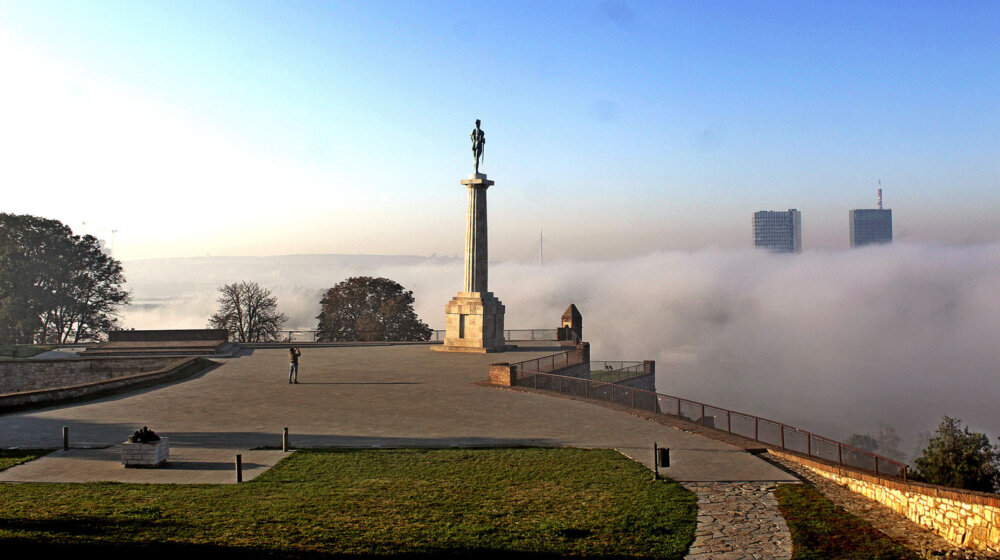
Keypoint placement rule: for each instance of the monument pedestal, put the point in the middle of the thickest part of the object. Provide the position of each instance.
(473, 323)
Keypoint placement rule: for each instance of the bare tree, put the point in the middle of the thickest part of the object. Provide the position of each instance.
(249, 312)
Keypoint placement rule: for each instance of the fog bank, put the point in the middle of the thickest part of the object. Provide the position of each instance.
(834, 342)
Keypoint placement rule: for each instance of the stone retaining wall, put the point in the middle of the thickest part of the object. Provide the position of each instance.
(176, 370)
(35, 375)
(962, 517)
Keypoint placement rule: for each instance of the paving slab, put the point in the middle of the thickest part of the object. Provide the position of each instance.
(374, 396)
(187, 465)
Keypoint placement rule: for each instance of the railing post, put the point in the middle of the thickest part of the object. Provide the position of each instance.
(876, 465)
(703, 415)
(904, 471)
(782, 427)
(840, 454)
(678, 408)
(729, 422)
(756, 428)
(809, 444)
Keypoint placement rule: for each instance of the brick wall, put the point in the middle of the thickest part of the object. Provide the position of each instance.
(35, 375)
(962, 517)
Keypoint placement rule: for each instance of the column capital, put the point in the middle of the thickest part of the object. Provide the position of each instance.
(477, 181)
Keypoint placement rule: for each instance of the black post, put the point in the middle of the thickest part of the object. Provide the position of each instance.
(284, 440)
(65, 438)
(656, 463)
(239, 468)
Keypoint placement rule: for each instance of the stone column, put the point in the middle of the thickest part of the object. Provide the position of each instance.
(474, 317)
(476, 244)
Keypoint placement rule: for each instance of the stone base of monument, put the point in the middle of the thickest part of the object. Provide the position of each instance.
(474, 323)
(145, 455)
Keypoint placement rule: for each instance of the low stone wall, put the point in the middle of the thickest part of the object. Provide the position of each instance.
(176, 370)
(962, 517)
(35, 375)
(644, 381)
(171, 335)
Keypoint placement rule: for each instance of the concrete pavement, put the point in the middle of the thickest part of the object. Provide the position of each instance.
(382, 396)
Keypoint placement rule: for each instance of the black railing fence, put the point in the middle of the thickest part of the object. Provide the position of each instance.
(768, 432)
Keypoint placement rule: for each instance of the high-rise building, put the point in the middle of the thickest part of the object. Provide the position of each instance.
(777, 231)
(871, 225)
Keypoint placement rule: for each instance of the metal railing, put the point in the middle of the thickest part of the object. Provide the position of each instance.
(614, 371)
(763, 430)
(549, 363)
(311, 335)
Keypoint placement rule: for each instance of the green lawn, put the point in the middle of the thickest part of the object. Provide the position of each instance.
(822, 530)
(11, 457)
(535, 503)
(21, 351)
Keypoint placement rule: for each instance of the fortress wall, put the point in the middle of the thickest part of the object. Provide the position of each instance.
(962, 517)
(35, 375)
(174, 369)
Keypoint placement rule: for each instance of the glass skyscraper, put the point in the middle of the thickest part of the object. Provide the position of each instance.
(870, 226)
(777, 231)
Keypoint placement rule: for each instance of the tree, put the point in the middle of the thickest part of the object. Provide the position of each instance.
(249, 312)
(864, 442)
(959, 458)
(369, 309)
(55, 287)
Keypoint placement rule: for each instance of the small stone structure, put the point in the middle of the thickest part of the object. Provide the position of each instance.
(962, 517)
(474, 318)
(572, 323)
(147, 455)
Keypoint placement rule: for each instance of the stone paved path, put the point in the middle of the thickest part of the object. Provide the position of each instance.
(738, 521)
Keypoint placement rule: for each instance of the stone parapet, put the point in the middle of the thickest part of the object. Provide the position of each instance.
(35, 375)
(962, 517)
(503, 374)
(175, 370)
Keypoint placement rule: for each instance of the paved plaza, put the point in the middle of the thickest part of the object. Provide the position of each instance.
(348, 396)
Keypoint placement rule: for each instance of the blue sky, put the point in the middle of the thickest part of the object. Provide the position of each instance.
(239, 128)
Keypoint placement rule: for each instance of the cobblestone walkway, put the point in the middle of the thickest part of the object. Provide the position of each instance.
(738, 521)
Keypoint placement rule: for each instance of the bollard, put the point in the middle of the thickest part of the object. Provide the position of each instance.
(65, 438)
(284, 440)
(656, 464)
(239, 468)
(664, 457)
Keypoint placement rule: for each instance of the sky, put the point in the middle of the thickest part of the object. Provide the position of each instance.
(616, 128)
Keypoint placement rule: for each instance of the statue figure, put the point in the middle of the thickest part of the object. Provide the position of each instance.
(478, 143)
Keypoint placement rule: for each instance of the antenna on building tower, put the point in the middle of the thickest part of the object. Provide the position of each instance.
(880, 194)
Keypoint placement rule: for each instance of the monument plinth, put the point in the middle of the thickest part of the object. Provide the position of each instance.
(474, 317)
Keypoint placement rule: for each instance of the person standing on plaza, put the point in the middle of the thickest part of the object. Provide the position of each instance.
(293, 366)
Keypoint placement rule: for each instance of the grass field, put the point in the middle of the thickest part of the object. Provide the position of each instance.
(21, 351)
(536, 503)
(11, 457)
(822, 530)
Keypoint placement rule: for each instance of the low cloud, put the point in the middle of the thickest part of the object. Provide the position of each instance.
(833, 342)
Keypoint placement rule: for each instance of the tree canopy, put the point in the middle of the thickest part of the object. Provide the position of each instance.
(249, 312)
(55, 287)
(960, 458)
(369, 309)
